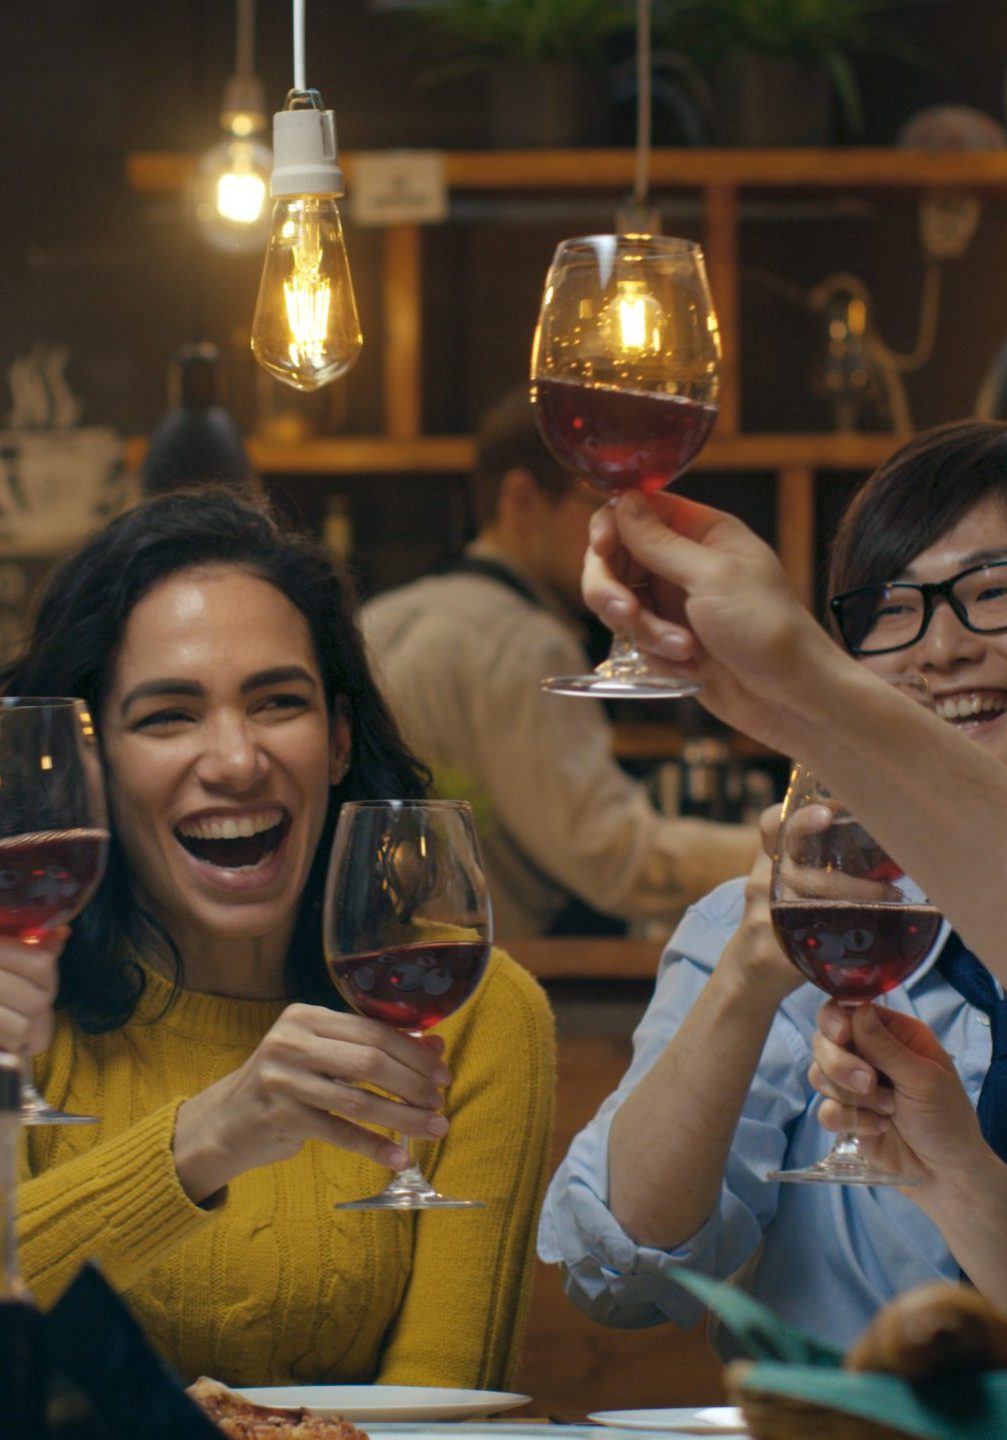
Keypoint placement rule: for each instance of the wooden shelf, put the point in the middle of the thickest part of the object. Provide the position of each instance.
(652, 740)
(720, 176)
(447, 454)
(162, 172)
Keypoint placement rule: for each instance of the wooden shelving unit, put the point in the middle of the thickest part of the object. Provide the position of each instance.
(720, 177)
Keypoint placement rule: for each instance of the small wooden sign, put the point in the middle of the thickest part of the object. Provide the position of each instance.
(399, 187)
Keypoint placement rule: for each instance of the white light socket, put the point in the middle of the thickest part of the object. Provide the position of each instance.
(305, 158)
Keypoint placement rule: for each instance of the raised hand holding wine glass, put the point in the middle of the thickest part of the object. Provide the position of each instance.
(625, 377)
(408, 930)
(851, 921)
(53, 834)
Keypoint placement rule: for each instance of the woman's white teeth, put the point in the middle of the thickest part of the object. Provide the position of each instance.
(962, 707)
(233, 827)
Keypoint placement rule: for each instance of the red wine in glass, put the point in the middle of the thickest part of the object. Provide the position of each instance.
(47, 878)
(620, 440)
(855, 952)
(413, 986)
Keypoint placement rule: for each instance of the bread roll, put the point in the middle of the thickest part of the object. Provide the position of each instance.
(932, 1330)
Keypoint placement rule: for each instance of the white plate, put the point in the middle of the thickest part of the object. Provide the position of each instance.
(386, 1402)
(706, 1420)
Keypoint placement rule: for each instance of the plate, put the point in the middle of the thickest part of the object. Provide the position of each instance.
(385, 1402)
(706, 1420)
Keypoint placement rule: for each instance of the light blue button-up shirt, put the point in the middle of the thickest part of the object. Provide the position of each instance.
(824, 1257)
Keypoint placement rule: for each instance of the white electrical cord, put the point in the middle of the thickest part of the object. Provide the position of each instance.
(299, 81)
(643, 102)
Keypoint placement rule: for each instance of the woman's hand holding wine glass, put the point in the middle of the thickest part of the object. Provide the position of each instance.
(29, 979)
(318, 1074)
(625, 380)
(53, 844)
(407, 932)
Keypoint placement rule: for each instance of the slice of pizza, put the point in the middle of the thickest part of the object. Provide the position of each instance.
(242, 1419)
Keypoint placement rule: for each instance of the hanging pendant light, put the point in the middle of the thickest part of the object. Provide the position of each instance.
(305, 330)
(231, 198)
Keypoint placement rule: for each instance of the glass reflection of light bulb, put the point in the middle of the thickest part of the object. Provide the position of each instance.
(305, 329)
(634, 321)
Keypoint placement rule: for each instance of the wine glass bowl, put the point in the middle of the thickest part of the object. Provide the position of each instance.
(408, 931)
(625, 378)
(53, 832)
(850, 920)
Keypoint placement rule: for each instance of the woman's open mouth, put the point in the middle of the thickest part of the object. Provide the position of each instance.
(234, 842)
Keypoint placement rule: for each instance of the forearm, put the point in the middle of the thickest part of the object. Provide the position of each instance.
(970, 1209)
(767, 668)
(119, 1203)
(671, 1137)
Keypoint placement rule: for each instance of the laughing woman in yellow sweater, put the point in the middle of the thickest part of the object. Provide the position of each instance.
(237, 1100)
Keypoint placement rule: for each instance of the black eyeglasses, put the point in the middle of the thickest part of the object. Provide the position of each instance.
(879, 618)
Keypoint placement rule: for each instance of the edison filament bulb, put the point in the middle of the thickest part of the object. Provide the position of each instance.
(306, 331)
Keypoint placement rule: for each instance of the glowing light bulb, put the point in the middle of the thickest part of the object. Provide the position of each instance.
(306, 331)
(232, 182)
(241, 196)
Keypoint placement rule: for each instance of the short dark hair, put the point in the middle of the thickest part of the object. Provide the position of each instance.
(72, 649)
(919, 494)
(508, 439)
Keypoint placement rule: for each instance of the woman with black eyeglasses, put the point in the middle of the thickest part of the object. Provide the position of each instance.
(733, 1055)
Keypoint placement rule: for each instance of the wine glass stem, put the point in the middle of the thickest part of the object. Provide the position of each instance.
(411, 1179)
(28, 1090)
(623, 654)
(847, 1147)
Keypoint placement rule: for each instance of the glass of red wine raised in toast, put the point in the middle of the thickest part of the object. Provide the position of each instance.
(625, 377)
(53, 834)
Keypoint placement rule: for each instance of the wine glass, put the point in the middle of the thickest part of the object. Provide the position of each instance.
(625, 375)
(53, 834)
(408, 929)
(851, 921)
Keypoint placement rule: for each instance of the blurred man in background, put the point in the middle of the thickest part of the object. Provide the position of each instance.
(460, 654)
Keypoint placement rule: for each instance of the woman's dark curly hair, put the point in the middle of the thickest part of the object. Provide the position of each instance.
(72, 650)
(919, 494)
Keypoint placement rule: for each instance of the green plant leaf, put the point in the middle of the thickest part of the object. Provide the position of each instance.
(473, 35)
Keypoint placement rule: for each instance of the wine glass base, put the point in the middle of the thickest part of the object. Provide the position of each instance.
(36, 1110)
(45, 1115)
(409, 1190)
(434, 1201)
(842, 1173)
(614, 687)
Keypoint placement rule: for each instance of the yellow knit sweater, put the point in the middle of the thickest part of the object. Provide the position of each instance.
(274, 1286)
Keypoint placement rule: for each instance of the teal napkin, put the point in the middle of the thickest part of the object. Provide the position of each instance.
(756, 1329)
(790, 1363)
